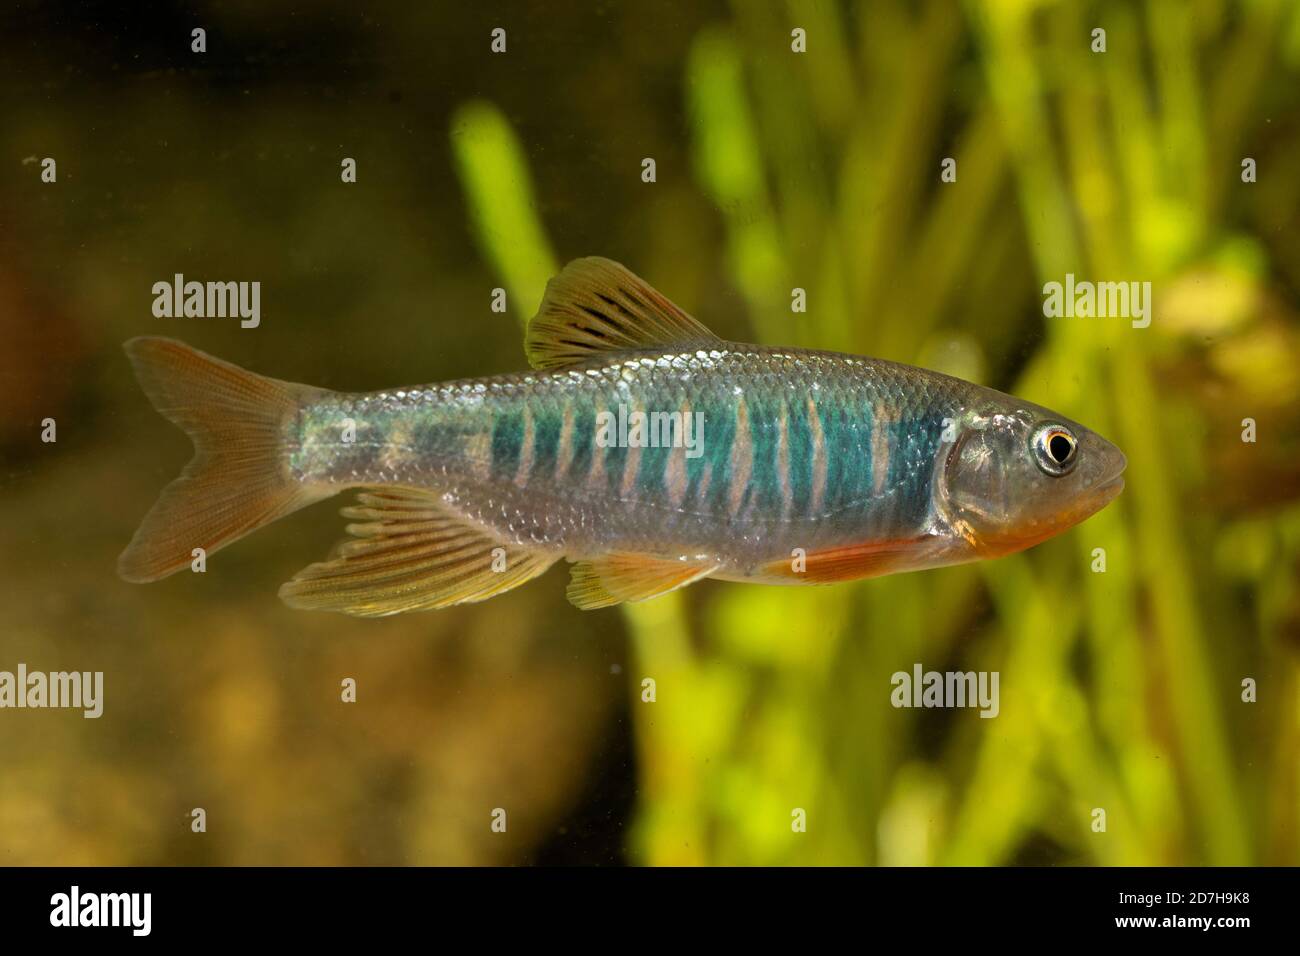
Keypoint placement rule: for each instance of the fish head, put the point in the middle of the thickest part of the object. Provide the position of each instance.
(1018, 474)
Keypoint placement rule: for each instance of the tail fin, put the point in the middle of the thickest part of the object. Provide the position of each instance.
(238, 479)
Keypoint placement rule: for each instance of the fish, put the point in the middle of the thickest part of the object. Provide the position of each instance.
(641, 448)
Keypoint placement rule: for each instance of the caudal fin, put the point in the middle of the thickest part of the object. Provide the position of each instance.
(238, 479)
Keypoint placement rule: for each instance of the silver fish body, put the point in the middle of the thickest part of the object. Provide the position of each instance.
(645, 450)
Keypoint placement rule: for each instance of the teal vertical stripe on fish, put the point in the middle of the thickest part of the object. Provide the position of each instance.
(615, 461)
(801, 456)
(717, 497)
(839, 453)
(583, 443)
(547, 422)
(858, 491)
(766, 495)
(913, 444)
(507, 442)
(650, 471)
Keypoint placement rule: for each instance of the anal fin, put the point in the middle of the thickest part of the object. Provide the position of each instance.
(621, 576)
(410, 553)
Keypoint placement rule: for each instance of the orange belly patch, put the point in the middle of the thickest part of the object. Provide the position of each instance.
(849, 562)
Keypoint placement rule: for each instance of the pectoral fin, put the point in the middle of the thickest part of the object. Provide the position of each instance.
(620, 576)
(410, 553)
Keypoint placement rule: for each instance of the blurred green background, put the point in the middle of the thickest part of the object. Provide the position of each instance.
(1120, 690)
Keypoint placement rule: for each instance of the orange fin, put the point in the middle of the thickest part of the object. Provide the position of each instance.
(410, 553)
(238, 479)
(621, 576)
(868, 560)
(596, 305)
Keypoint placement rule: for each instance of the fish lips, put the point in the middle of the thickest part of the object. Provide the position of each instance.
(1109, 482)
(1098, 497)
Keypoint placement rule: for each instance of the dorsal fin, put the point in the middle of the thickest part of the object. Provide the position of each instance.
(596, 305)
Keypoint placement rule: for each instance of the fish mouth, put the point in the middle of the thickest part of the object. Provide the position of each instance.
(1107, 485)
(1106, 492)
(1092, 501)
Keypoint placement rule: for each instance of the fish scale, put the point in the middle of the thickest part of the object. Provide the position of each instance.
(556, 503)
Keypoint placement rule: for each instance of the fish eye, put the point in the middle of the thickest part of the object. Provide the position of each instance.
(1055, 450)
